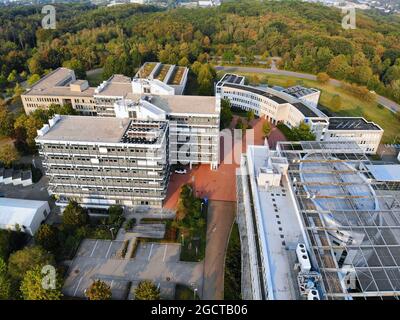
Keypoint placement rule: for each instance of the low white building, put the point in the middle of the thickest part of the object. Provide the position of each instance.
(294, 105)
(27, 215)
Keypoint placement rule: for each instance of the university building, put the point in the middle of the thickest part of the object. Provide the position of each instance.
(194, 120)
(297, 104)
(102, 161)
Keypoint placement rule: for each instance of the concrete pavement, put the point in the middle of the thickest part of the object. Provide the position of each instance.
(387, 103)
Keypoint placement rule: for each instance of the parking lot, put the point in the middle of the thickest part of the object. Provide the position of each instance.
(106, 249)
(159, 262)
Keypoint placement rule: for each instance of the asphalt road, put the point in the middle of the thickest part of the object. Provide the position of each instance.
(388, 104)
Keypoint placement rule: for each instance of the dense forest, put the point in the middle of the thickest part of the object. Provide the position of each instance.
(308, 37)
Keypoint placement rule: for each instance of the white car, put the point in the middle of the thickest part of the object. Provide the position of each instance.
(180, 171)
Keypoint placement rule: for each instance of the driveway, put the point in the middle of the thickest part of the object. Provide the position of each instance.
(159, 262)
(387, 103)
(221, 215)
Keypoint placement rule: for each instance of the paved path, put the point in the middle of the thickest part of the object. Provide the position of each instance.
(388, 104)
(221, 215)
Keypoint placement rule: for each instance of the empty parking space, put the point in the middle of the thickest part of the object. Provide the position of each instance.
(99, 248)
(165, 252)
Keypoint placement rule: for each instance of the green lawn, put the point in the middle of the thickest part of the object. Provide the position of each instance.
(351, 106)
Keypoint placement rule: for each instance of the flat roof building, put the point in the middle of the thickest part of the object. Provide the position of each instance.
(155, 95)
(332, 232)
(294, 105)
(21, 214)
(100, 162)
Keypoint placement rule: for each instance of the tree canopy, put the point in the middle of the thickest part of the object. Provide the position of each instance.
(147, 290)
(98, 290)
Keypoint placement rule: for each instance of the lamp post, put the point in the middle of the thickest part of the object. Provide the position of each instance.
(112, 233)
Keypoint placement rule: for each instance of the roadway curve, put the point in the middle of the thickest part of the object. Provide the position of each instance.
(388, 104)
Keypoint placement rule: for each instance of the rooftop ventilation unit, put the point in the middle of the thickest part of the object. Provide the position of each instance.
(313, 294)
(302, 256)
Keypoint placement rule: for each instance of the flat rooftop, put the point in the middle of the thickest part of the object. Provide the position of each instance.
(56, 83)
(231, 78)
(280, 230)
(104, 129)
(358, 123)
(299, 91)
(185, 104)
(257, 91)
(88, 129)
(385, 172)
(117, 85)
(306, 111)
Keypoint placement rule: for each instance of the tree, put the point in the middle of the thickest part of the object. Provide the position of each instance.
(115, 215)
(205, 79)
(27, 259)
(184, 62)
(303, 132)
(228, 56)
(322, 77)
(5, 284)
(147, 290)
(8, 154)
(266, 128)
(74, 215)
(77, 66)
(339, 68)
(6, 122)
(98, 290)
(250, 115)
(12, 77)
(336, 102)
(33, 79)
(32, 286)
(47, 237)
(10, 241)
(226, 114)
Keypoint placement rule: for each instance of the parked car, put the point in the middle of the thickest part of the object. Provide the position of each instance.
(180, 171)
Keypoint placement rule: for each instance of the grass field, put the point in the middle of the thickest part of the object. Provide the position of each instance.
(351, 106)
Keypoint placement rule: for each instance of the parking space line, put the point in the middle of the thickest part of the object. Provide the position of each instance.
(109, 247)
(151, 249)
(76, 289)
(94, 247)
(165, 252)
(111, 284)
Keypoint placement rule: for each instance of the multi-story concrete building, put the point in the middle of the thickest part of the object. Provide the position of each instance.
(297, 104)
(59, 87)
(100, 161)
(194, 120)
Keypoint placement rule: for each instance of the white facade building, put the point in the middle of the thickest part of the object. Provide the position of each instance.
(295, 105)
(24, 215)
(315, 229)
